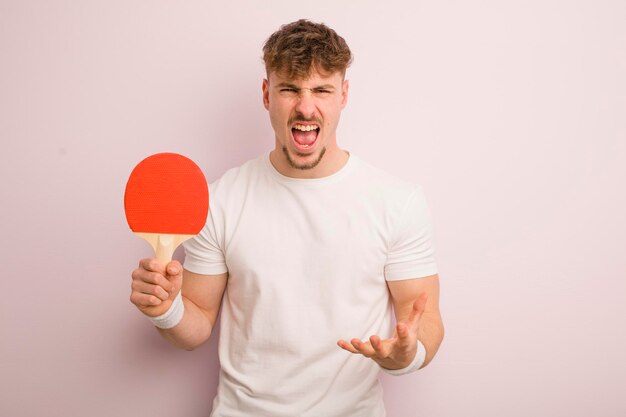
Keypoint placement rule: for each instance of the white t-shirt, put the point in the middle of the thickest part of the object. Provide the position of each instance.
(308, 261)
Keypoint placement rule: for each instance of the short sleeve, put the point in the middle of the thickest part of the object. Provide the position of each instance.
(203, 253)
(411, 250)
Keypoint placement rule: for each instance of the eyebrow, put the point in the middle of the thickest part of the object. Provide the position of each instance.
(295, 87)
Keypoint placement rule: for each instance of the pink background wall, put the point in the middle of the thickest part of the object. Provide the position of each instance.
(510, 114)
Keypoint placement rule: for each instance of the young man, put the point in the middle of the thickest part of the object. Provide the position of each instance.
(305, 248)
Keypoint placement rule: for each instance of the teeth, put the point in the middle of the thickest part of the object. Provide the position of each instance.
(306, 128)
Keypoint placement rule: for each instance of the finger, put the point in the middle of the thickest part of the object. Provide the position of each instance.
(150, 289)
(365, 349)
(347, 346)
(152, 278)
(152, 265)
(144, 300)
(379, 347)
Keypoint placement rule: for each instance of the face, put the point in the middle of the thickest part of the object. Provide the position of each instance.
(305, 115)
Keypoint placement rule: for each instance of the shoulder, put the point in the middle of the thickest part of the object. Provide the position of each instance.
(384, 184)
(238, 177)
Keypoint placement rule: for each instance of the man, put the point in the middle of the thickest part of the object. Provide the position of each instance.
(303, 247)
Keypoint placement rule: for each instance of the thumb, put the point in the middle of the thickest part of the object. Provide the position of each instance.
(174, 274)
(173, 268)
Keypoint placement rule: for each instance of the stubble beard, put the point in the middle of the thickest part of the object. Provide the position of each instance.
(303, 167)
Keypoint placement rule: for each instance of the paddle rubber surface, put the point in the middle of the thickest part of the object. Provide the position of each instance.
(166, 193)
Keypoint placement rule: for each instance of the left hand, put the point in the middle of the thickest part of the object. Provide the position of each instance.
(397, 352)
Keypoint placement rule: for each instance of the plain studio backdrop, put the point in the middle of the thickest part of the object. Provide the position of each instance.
(511, 114)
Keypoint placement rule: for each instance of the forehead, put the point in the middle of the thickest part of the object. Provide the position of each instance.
(313, 79)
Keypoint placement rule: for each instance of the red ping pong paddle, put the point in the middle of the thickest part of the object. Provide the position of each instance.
(166, 202)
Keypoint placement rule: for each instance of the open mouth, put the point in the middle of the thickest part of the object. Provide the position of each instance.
(305, 136)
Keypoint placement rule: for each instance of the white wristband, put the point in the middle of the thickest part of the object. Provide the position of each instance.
(418, 361)
(172, 316)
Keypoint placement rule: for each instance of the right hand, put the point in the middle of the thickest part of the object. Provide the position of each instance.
(155, 286)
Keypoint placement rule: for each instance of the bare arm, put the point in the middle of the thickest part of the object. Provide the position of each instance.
(416, 306)
(154, 289)
(404, 295)
(202, 296)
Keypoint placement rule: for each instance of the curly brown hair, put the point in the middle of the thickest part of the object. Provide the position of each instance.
(300, 47)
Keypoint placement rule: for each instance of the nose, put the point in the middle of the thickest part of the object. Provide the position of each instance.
(306, 103)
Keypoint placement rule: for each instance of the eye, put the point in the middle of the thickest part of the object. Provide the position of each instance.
(321, 91)
(288, 90)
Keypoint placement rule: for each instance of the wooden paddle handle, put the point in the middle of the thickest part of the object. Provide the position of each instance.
(164, 245)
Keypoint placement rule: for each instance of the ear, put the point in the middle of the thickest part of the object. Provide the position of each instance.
(266, 94)
(344, 93)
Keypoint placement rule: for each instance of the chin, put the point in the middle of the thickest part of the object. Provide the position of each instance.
(303, 161)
